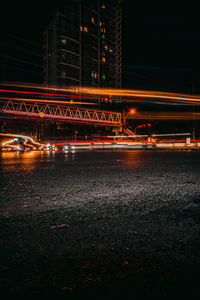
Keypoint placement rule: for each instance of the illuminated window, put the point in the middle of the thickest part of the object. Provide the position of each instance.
(81, 28)
(103, 76)
(103, 36)
(95, 75)
(106, 47)
(92, 20)
(110, 50)
(104, 30)
(103, 59)
(92, 74)
(85, 29)
(63, 41)
(100, 23)
(101, 30)
(103, 6)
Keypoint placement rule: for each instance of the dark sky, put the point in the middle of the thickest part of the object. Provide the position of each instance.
(158, 43)
(161, 46)
(162, 40)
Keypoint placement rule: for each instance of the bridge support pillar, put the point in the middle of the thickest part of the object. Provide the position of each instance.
(35, 130)
(116, 130)
(38, 130)
(41, 124)
(43, 129)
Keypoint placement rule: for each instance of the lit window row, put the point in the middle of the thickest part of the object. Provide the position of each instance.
(85, 29)
(95, 75)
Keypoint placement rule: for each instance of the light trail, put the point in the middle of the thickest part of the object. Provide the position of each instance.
(35, 86)
(166, 97)
(29, 145)
(152, 135)
(8, 142)
(23, 137)
(46, 94)
(58, 95)
(107, 93)
(166, 116)
(12, 146)
(171, 134)
(50, 101)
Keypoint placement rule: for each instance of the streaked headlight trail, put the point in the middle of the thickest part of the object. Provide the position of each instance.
(102, 93)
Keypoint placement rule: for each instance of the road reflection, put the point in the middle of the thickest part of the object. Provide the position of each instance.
(136, 158)
(22, 162)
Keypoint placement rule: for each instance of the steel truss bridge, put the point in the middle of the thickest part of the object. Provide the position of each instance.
(59, 112)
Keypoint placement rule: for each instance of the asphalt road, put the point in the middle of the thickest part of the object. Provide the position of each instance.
(101, 224)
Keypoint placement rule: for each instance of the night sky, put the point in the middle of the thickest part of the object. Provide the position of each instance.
(161, 45)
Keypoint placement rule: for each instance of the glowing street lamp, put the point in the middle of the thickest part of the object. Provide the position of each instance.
(131, 111)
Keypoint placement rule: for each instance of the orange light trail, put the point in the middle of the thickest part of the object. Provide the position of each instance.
(47, 94)
(35, 86)
(49, 101)
(166, 116)
(164, 96)
(8, 142)
(88, 92)
(107, 92)
(23, 137)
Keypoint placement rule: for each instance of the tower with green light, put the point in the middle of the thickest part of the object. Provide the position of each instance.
(82, 44)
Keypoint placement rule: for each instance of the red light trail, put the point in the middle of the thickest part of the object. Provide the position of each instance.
(44, 94)
(106, 93)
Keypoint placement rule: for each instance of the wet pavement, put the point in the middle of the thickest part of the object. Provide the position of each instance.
(106, 224)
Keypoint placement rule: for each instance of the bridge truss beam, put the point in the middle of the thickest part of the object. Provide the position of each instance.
(60, 112)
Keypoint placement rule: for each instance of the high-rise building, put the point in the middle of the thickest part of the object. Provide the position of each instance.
(82, 44)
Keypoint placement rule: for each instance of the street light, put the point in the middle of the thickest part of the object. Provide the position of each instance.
(131, 111)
